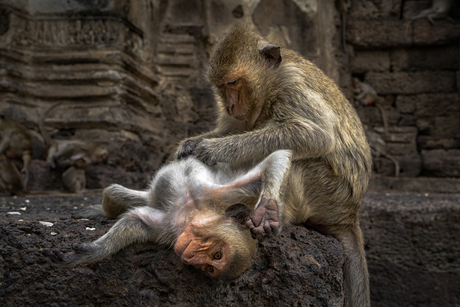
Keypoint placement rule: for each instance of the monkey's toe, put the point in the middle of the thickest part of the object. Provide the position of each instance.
(55, 255)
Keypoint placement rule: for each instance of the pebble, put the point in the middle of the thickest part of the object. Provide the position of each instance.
(47, 224)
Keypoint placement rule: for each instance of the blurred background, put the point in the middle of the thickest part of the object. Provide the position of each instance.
(130, 76)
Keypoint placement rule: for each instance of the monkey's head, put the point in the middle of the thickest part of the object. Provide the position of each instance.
(220, 245)
(242, 67)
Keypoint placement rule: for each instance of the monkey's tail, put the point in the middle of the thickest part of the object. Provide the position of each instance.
(356, 276)
(41, 124)
(396, 163)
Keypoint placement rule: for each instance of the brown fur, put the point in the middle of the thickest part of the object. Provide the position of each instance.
(291, 105)
(66, 152)
(16, 141)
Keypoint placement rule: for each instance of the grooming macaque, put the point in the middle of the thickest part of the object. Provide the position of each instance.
(366, 95)
(10, 178)
(270, 99)
(16, 141)
(200, 210)
(66, 152)
(73, 178)
(379, 147)
(439, 9)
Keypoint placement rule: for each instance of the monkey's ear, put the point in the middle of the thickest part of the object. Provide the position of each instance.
(239, 213)
(272, 55)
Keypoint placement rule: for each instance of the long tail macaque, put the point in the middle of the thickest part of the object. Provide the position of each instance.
(16, 141)
(200, 210)
(66, 152)
(270, 99)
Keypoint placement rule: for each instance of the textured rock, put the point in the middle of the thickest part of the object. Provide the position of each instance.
(300, 268)
(412, 248)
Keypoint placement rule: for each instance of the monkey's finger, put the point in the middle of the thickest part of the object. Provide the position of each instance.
(55, 255)
(258, 233)
(80, 247)
(268, 229)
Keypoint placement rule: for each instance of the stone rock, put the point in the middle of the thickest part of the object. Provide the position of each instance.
(412, 82)
(412, 247)
(409, 166)
(300, 267)
(441, 163)
(365, 61)
(425, 58)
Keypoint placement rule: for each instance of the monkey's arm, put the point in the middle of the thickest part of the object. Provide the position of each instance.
(305, 139)
(225, 127)
(138, 225)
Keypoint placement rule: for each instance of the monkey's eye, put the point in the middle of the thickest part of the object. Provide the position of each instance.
(234, 82)
(209, 269)
(217, 255)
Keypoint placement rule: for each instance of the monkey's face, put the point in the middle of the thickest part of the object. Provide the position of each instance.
(233, 96)
(204, 253)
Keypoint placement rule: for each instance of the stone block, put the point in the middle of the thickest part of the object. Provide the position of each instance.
(365, 61)
(443, 127)
(441, 163)
(431, 105)
(406, 104)
(375, 9)
(412, 82)
(400, 149)
(437, 142)
(409, 166)
(425, 58)
(412, 8)
(371, 115)
(443, 32)
(379, 33)
(405, 135)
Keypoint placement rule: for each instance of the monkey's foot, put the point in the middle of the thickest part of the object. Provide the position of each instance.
(187, 149)
(264, 222)
(203, 152)
(71, 258)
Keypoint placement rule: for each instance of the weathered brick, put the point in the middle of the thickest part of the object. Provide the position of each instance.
(379, 33)
(402, 149)
(406, 104)
(412, 8)
(436, 142)
(375, 9)
(409, 166)
(370, 115)
(441, 163)
(443, 32)
(430, 105)
(425, 58)
(365, 61)
(445, 126)
(412, 82)
(399, 134)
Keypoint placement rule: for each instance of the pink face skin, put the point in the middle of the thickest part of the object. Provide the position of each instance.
(237, 105)
(206, 254)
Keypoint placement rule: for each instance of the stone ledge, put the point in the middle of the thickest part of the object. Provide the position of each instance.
(301, 266)
(414, 185)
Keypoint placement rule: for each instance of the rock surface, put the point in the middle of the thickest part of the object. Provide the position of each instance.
(300, 268)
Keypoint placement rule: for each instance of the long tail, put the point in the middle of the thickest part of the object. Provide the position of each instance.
(356, 281)
(41, 124)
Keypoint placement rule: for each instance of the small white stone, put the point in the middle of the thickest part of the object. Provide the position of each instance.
(14, 213)
(47, 224)
(53, 233)
(23, 208)
(91, 229)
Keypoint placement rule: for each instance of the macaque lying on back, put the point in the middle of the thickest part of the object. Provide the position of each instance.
(199, 209)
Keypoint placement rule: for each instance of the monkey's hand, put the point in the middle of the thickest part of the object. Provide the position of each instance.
(186, 149)
(80, 254)
(204, 151)
(263, 222)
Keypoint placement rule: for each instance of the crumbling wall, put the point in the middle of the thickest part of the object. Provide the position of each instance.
(414, 65)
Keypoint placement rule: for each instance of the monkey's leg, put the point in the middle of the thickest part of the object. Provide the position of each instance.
(356, 281)
(116, 200)
(26, 157)
(138, 225)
